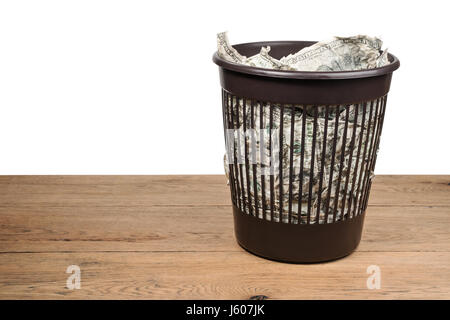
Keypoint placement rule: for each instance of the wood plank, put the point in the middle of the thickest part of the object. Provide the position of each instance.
(52, 229)
(413, 190)
(114, 191)
(231, 275)
(171, 237)
(196, 190)
(123, 228)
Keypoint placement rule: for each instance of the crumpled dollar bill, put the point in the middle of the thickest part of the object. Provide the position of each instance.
(357, 137)
(338, 54)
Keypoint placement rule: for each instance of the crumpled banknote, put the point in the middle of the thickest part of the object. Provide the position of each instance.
(338, 54)
(354, 145)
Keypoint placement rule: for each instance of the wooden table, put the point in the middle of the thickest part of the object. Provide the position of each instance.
(171, 237)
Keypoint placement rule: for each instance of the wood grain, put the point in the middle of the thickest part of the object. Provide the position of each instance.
(80, 229)
(190, 190)
(171, 237)
(218, 275)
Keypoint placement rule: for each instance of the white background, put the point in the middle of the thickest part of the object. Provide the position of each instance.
(128, 87)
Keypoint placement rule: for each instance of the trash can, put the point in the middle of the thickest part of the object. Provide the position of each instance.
(301, 150)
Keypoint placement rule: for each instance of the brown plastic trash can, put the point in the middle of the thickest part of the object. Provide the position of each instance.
(301, 150)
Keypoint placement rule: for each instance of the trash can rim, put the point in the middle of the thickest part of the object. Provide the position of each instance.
(310, 75)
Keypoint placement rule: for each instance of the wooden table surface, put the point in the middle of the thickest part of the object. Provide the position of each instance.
(171, 237)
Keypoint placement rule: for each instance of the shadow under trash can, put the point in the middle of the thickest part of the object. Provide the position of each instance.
(301, 150)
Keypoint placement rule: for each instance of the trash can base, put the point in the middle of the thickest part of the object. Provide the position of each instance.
(294, 243)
